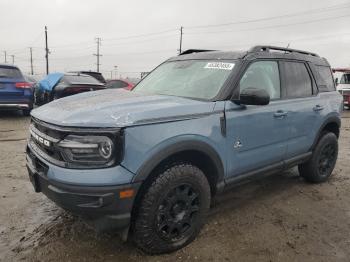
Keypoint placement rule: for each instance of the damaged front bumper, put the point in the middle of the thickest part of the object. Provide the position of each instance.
(107, 206)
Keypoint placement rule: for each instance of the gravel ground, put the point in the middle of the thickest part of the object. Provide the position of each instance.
(279, 218)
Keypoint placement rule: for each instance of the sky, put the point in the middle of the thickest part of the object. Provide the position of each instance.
(136, 36)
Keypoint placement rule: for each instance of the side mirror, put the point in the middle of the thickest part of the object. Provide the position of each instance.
(254, 96)
(336, 81)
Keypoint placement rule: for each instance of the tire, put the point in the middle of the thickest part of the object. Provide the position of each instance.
(319, 168)
(26, 112)
(172, 210)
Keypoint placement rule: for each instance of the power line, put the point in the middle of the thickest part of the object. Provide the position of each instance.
(291, 41)
(141, 41)
(119, 38)
(141, 35)
(272, 26)
(324, 9)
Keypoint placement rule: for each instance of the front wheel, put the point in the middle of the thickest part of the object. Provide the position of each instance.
(319, 168)
(172, 210)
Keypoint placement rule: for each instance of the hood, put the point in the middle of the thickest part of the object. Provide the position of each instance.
(119, 108)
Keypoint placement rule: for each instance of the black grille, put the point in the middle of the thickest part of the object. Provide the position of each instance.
(42, 132)
(54, 136)
(44, 128)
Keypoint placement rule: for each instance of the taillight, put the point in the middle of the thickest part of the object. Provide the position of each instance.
(129, 87)
(23, 85)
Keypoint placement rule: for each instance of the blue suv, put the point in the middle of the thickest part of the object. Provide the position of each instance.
(149, 161)
(15, 91)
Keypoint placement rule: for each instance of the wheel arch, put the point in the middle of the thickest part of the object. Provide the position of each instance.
(196, 152)
(332, 124)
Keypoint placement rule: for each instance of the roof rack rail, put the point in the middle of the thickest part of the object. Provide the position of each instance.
(260, 48)
(190, 51)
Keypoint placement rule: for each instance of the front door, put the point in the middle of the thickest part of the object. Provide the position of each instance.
(257, 135)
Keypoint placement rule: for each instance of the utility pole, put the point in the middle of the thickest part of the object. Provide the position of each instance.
(115, 72)
(5, 56)
(98, 42)
(46, 52)
(13, 59)
(31, 60)
(181, 33)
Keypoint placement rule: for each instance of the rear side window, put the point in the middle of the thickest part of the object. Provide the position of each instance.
(297, 80)
(117, 84)
(325, 74)
(80, 79)
(10, 72)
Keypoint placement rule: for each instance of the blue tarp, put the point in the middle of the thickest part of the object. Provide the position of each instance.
(49, 82)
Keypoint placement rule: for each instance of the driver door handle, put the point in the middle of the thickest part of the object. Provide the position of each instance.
(280, 114)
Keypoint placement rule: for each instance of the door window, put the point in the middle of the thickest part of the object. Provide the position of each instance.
(297, 80)
(264, 75)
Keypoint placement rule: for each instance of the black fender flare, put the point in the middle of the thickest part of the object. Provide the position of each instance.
(148, 166)
(331, 119)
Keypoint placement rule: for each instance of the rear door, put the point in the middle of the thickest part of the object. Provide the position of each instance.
(9, 76)
(305, 107)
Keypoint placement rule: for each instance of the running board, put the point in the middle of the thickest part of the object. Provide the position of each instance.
(263, 172)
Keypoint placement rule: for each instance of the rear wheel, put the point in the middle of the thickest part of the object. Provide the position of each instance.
(172, 210)
(319, 168)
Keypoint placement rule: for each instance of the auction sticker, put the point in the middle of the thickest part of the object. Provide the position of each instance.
(220, 65)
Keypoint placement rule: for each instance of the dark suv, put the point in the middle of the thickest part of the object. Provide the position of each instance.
(149, 161)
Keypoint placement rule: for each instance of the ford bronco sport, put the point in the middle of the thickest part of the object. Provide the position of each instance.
(149, 161)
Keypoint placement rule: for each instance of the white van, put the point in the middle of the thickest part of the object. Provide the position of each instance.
(342, 80)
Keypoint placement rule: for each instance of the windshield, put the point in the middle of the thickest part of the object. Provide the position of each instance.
(191, 78)
(345, 79)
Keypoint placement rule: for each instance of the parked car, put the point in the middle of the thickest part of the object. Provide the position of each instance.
(58, 85)
(342, 81)
(15, 91)
(97, 75)
(127, 84)
(149, 161)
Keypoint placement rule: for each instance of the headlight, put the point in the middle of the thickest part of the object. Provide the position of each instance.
(88, 150)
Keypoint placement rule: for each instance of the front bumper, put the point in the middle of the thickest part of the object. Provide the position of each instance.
(15, 106)
(104, 205)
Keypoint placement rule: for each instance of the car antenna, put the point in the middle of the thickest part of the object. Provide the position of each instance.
(287, 47)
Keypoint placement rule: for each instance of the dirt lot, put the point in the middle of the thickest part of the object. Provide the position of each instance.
(280, 218)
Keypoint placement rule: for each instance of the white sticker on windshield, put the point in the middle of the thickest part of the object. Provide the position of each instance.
(220, 65)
